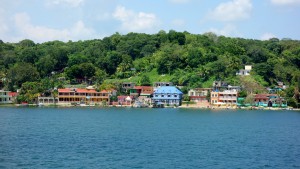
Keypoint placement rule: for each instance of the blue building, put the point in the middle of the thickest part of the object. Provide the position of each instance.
(168, 95)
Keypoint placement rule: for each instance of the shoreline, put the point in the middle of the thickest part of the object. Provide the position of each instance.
(131, 106)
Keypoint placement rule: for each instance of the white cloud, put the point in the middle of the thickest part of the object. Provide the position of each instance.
(267, 36)
(227, 30)
(179, 1)
(232, 11)
(27, 30)
(72, 3)
(132, 21)
(285, 2)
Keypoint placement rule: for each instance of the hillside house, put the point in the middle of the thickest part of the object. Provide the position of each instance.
(245, 72)
(157, 85)
(127, 86)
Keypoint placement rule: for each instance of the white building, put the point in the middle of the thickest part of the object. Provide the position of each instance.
(246, 71)
(199, 94)
(5, 98)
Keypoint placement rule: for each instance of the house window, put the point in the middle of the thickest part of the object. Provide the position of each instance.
(169, 95)
(175, 95)
(156, 95)
(162, 95)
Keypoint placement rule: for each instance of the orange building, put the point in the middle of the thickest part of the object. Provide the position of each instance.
(86, 96)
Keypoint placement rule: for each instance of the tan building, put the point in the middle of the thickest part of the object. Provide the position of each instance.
(85, 96)
(227, 98)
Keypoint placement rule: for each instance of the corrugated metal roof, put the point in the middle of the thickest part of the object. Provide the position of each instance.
(168, 89)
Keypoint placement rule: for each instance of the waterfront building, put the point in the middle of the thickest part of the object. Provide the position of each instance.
(124, 100)
(226, 98)
(168, 95)
(85, 96)
(13, 96)
(137, 91)
(269, 100)
(5, 97)
(47, 100)
(199, 94)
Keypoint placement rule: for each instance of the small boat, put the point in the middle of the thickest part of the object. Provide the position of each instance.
(139, 104)
(83, 105)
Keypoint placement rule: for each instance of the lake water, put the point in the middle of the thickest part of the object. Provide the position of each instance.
(148, 138)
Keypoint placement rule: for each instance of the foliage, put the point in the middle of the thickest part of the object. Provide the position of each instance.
(243, 93)
(144, 81)
(249, 99)
(30, 91)
(21, 73)
(185, 59)
(250, 85)
(186, 97)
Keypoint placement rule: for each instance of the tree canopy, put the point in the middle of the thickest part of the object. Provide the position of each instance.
(185, 59)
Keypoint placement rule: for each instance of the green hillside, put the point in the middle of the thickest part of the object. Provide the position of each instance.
(185, 59)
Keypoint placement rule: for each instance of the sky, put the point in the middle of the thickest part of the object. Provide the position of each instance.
(64, 20)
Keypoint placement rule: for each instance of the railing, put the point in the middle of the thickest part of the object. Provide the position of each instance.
(92, 97)
(227, 98)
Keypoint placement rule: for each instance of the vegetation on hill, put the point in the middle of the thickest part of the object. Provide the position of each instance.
(180, 57)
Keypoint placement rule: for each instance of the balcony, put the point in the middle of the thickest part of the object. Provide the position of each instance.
(227, 98)
(77, 96)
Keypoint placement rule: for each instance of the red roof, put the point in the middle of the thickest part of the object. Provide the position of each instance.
(263, 96)
(86, 91)
(12, 94)
(143, 87)
(104, 91)
(68, 90)
(124, 97)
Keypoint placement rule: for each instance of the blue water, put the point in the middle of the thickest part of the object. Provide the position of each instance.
(148, 138)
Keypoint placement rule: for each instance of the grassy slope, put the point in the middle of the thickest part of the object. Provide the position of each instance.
(153, 75)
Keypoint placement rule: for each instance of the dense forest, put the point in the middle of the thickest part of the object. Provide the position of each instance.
(185, 59)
